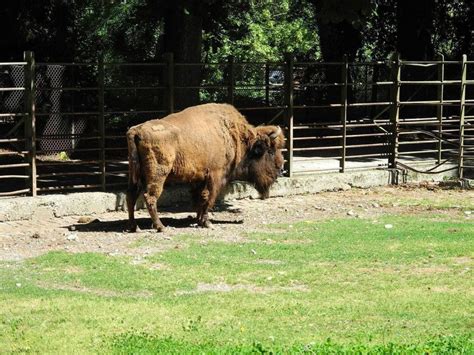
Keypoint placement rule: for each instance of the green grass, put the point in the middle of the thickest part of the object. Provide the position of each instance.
(368, 289)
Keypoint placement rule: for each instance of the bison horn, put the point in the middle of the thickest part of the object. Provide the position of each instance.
(275, 134)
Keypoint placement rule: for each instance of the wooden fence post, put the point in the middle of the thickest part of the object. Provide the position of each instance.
(169, 60)
(30, 121)
(344, 82)
(231, 80)
(462, 113)
(101, 100)
(440, 106)
(289, 86)
(395, 109)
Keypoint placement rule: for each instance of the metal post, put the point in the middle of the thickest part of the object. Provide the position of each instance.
(30, 122)
(395, 109)
(462, 116)
(267, 84)
(440, 107)
(344, 76)
(289, 61)
(231, 80)
(169, 60)
(101, 101)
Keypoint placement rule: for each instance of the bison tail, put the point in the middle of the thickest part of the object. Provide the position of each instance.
(133, 157)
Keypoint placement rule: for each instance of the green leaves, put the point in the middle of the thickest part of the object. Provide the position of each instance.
(265, 32)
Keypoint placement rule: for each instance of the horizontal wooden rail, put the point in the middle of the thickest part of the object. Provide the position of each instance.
(12, 63)
(370, 155)
(73, 173)
(63, 64)
(8, 153)
(18, 165)
(112, 88)
(14, 193)
(13, 114)
(14, 176)
(68, 188)
(144, 64)
(12, 89)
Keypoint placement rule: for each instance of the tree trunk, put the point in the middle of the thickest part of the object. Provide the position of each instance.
(336, 40)
(414, 29)
(183, 23)
(415, 25)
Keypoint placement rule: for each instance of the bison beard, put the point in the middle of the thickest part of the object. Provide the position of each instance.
(206, 146)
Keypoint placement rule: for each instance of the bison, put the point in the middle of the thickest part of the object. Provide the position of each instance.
(206, 146)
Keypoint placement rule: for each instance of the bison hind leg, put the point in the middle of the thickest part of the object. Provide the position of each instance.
(154, 188)
(133, 192)
(151, 200)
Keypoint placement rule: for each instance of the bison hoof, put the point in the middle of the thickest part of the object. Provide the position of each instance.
(208, 224)
(132, 228)
(159, 228)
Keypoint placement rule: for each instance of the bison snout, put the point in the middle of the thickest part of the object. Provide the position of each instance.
(282, 172)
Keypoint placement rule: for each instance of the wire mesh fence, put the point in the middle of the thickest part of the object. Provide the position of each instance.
(63, 125)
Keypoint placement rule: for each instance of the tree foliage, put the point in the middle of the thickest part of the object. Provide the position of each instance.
(142, 30)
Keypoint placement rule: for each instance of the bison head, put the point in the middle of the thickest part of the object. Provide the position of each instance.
(264, 160)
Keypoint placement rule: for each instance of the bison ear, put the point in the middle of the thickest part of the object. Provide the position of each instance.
(258, 148)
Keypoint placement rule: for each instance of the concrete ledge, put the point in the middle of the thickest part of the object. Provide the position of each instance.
(87, 203)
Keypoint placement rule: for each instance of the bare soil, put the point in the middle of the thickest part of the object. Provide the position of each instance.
(232, 221)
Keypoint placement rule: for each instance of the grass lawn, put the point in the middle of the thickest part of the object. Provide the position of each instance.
(338, 286)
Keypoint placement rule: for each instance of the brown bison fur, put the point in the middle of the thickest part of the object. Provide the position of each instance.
(206, 146)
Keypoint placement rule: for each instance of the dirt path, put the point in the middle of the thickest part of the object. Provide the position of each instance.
(104, 232)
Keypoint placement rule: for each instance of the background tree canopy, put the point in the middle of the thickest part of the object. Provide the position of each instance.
(250, 30)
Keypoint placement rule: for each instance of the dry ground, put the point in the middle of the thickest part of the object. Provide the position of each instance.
(232, 220)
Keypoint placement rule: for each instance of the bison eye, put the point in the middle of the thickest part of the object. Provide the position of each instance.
(258, 149)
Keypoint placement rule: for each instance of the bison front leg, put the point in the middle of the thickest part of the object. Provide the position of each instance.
(205, 196)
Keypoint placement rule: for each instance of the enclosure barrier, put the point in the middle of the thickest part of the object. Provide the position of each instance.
(63, 124)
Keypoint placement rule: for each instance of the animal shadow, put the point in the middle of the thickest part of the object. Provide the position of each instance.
(120, 226)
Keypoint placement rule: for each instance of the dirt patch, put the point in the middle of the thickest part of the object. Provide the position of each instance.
(462, 260)
(93, 291)
(73, 270)
(442, 289)
(223, 287)
(269, 262)
(233, 221)
(430, 270)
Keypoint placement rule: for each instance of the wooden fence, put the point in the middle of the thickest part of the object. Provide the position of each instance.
(62, 125)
